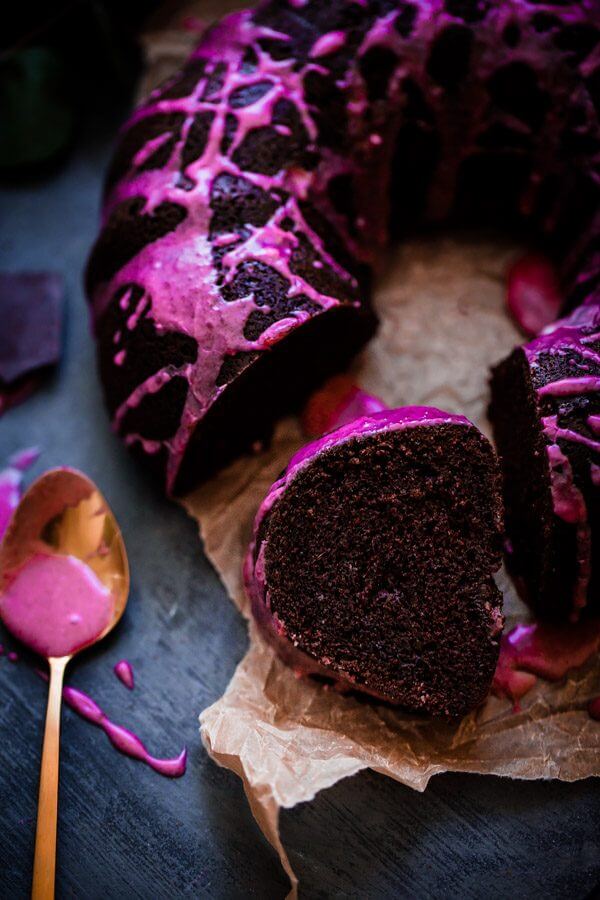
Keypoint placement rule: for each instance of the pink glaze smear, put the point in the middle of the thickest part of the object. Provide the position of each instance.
(121, 738)
(124, 673)
(544, 650)
(55, 605)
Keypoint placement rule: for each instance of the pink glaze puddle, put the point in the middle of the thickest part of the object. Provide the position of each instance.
(121, 738)
(338, 402)
(544, 650)
(124, 673)
(55, 605)
(11, 480)
(533, 294)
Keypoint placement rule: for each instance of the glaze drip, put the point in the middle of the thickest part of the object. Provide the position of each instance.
(121, 738)
(569, 407)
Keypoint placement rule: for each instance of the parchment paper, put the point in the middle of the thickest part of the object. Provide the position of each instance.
(443, 323)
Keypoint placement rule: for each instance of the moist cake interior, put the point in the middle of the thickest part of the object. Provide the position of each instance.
(379, 558)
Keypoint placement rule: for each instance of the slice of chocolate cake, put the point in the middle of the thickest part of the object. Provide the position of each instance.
(546, 414)
(373, 557)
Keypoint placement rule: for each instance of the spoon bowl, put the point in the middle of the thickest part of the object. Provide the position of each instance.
(62, 518)
(63, 513)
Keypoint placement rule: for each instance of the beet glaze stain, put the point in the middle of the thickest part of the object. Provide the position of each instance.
(594, 708)
(542, 650)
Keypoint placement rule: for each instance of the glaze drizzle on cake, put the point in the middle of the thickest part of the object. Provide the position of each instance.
(546, 414)
(249, 197)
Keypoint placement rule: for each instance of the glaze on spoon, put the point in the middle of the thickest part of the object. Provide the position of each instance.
(56, 604)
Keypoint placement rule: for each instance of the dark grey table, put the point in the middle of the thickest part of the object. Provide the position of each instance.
(126, 832)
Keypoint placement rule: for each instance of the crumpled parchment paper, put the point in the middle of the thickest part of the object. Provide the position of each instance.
(443, 323)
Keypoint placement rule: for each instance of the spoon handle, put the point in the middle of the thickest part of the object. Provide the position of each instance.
(44, 865)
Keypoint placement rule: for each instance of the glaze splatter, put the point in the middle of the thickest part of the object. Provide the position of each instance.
(124, 672)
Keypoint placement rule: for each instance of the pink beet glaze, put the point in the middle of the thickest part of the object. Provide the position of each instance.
(25, 458)
(55, 605)
(121, 738)
(172, 270)
(544, 650)
(383, 420)
(124, 673)
(328, 43)
(533, 294)
(10, 494)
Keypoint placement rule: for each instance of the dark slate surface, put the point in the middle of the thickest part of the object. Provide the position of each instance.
(127, 832)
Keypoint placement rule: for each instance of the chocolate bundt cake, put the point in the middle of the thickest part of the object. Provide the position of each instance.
(373, 557)
(546, 414)
(249, 196)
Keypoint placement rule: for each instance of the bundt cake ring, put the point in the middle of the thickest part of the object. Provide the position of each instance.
(249, 198)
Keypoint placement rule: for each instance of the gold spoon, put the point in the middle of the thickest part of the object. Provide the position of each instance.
(63, 512)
